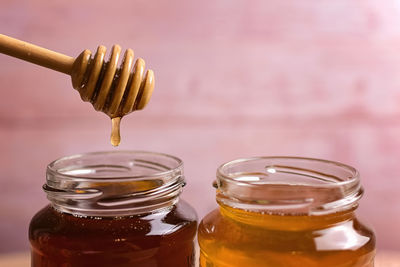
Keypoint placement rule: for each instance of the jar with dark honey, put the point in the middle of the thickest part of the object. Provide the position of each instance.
(286, 212)
(115, 209)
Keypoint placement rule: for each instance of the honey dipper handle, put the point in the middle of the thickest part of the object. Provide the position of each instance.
(35, 54)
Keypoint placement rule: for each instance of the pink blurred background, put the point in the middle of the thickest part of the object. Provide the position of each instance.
(233, 79)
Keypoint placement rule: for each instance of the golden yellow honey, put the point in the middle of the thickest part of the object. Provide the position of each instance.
(231, 236)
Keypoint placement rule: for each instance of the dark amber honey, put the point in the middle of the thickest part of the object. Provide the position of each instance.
(162, 238)
(114, 209)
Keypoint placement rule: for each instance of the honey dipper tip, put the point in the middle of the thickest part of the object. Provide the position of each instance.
(113, 90)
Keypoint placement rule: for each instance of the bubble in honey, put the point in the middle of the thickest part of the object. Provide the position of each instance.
(115, 131)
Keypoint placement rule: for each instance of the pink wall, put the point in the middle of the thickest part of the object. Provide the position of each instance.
(233, 79)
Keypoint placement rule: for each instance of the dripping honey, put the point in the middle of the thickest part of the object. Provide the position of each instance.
(274, 240)
(115, 131)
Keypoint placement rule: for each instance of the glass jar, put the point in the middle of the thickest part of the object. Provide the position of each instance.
(286, 211)
(114, 209)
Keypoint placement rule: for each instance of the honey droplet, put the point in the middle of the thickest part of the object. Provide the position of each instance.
(115, 131)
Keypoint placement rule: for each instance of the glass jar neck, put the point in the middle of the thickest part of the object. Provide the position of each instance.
(109, 184)
(288, 186)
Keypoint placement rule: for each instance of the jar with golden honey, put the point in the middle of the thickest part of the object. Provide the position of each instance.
(284, 212)
(115, 209)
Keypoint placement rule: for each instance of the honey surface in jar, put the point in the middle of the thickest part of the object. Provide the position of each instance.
(233, 237)
(163, 238)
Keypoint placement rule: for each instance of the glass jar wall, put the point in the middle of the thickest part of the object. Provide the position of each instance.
(114, 209)
(285, 211)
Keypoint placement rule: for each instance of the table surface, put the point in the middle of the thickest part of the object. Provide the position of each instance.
(383, 259)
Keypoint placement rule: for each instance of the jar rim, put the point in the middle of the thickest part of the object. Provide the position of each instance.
(289, 185)
(355, 177)
(114, 183)
(54, 170)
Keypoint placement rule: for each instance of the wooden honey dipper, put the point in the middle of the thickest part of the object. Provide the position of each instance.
(112, 90)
